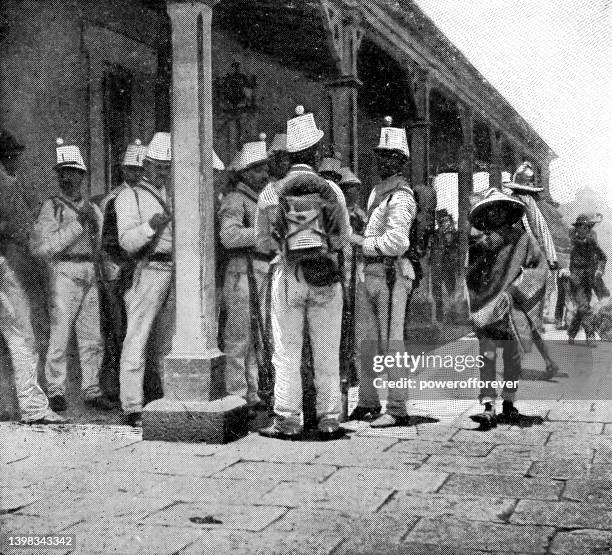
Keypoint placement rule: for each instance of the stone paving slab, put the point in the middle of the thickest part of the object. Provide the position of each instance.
(290, 472)
(426, 447)
(503, 486)
(411, 480)
(561, 469)
(582, 541)
(476, 465)
(123, 507)
(176, 464)
(257, 448)
(90, 481)
(399, 461)
(435, 505)
(27, 524)
(563, 514)
(104, 537)
(567, 428)
(353, 497)
(545, 452)
(261, 543)
(597, 442)
(211, 490)
(589, 490)
(489, 537)
(537, 435)
(216, 516)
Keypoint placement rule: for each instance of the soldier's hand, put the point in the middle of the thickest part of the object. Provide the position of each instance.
(158, 221)
(87, 214)
(553, 265)
(356, 240)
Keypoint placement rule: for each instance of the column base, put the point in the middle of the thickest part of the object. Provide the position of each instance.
(187, 376)
(216, 422)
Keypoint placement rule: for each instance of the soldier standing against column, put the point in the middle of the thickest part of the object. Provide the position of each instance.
(15, 324)
(295, 294)
(116, 270)
(144, 223)
(67, 235)
(246, 267)
(388, 274)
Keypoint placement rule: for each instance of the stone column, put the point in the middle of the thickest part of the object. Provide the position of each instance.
(466, 187)
(186, 412)
(420, 324)
(342, 21)
(495, 167)
(343, 94)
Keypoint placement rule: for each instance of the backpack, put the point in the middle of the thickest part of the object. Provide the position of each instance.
(307, 223)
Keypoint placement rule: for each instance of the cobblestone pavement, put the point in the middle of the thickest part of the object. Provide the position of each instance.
(440, 488)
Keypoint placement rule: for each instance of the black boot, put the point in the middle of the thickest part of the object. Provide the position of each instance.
(486, 418)
(58, 403)
(364, 413)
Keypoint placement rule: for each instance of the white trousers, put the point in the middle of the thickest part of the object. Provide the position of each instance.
(241, 371)
(149, 306)
(374, 323)
(292, 301)
(16, 329)
(74, 306)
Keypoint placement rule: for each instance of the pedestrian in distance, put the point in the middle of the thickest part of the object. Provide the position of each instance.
(587, 266)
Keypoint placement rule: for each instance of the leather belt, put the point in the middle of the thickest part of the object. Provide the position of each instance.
(160, 257)
(377, 259)
(73, 258)
(255, 255)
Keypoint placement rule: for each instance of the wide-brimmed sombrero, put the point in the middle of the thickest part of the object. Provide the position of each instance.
(523, 180)
(479, 214)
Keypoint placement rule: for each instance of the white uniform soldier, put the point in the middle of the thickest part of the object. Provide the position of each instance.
(237, 234)
(295, 296)
(144, 223)
(116, 264)
(67, 234)
(381, 301)
(15, 323)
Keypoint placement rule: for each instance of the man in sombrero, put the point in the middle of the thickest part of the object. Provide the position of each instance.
(524, 188)
(587, 265)
(506, 280)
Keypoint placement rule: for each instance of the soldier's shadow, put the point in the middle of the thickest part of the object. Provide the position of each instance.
(520, 420)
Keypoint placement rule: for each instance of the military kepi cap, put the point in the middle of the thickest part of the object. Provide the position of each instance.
(160, 148)
(68, 156)
(302, 131)
(134, 154)
(393, 139)
(252, 154)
